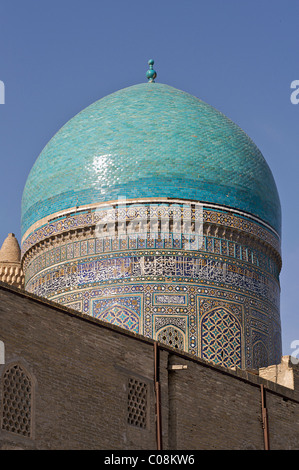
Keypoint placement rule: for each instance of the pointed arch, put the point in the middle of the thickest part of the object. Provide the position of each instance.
(172, 336)
(122, 316)
(221, 337)
(259, 355)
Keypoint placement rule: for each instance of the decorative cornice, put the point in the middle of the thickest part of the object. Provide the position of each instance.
(81, 218)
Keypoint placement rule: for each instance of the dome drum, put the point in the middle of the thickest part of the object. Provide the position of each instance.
(88, 264)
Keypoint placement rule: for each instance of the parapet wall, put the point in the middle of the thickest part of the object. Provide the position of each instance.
(95, 386)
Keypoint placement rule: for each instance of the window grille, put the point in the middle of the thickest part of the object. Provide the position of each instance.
(16, 401)
(172, 337)
(137, 403)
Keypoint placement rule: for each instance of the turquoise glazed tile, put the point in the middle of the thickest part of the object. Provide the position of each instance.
(150, 140)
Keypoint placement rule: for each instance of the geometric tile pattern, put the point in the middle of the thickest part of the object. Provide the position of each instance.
(121, 316)
(123, 312)
(221, 338)
(212, 310)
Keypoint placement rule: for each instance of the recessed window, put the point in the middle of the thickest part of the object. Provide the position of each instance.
(137, 403)
(172, 337)
(16, 401)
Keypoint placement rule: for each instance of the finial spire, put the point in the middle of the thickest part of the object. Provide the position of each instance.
(151, 73)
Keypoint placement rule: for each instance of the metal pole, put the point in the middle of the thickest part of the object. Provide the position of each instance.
(158, 396)
(265, 419)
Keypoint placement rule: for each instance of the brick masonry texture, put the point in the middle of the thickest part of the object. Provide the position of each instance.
(80, 369)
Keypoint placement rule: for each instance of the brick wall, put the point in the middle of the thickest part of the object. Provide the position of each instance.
(93, 388)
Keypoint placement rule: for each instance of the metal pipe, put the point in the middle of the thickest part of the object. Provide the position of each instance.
(265, 419)
(158, 396)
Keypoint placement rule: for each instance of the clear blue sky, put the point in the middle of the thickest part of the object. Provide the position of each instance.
(57, 57)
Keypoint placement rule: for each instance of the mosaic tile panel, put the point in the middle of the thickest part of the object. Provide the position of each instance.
(170, 299)
(203, 268)
(221, 338)
(235, 314)
(121, 311)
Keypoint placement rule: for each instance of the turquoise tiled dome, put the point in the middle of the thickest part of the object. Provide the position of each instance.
(150, 140)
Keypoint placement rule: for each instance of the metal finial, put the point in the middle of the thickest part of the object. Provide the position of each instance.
(151, 73)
